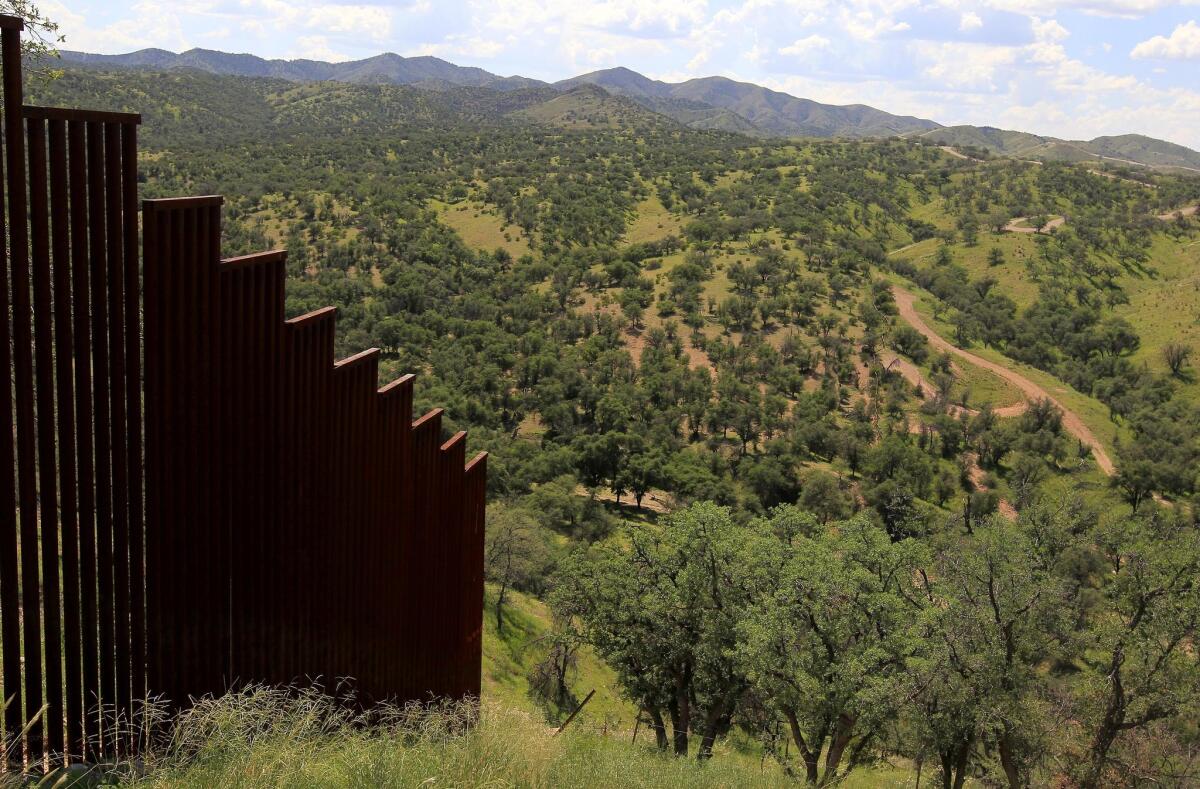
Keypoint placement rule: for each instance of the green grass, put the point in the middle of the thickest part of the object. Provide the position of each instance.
(480, 229)
(1166, 307)
(264, 739)
(268, 738)
(1012, 276)
(651, 222)
(979, 386)
(510, 656)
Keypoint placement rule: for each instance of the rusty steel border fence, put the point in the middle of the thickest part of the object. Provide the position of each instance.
(196, 496)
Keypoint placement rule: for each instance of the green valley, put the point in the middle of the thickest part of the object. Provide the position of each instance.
(773, 522)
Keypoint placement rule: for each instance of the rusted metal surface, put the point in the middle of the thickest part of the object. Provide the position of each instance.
(195, 495)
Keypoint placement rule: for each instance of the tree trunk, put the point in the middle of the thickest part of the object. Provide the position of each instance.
(679, 731)
(715, 724)
(1110, 726)
(1008, 760)
(962, 760)
(660, 728)
(810, 757)
(681, 713)
(706, 742)
(500, 608)
(842, 734)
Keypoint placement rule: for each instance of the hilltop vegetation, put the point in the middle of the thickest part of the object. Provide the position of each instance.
(710, 428)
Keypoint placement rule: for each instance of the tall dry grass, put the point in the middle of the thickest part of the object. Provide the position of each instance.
(265, 737)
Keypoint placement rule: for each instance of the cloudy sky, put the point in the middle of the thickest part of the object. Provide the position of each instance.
(1071, 68)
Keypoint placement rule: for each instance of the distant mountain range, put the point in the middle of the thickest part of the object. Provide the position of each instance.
(714, 103)
(1133, 149)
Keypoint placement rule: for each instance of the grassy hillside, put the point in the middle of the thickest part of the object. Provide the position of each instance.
(589, 107)
(510, 657)
(262, 738)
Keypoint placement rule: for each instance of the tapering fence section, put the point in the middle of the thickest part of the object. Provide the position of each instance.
(196, 495)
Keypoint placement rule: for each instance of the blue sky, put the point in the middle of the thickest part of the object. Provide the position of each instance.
(1071, 68)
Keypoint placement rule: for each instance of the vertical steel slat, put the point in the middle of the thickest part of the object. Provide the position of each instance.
(212, 343)
(81, 298)
(404, 546)
(101, 379)
(232, 430)
(273, 369)
(192, 552)
(250, 513)
(395, 415)
(331, 624)
(234, 316)
(265, 627)
(10, 591)
(205, 536)
(239, 308)
(475, 495)
(426, 439)
(360, 397)
(172, 632)
(152, 289)
(285, 481)
(114, 202)
(329, 513)
(133, 408)
(68, 481)
(43, 339)
(450, 461)
(18, 225)
(175, 632)
(369, 468)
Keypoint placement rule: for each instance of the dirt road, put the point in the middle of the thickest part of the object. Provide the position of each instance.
(1189, 211)
(1071, 420)
(1013, 227)
(914, 376)
(957, 154)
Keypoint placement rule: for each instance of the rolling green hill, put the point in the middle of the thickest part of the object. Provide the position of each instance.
(764, 111)
(1128, 149)
(588, 106)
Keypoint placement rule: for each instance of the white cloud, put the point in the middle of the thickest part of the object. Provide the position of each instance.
(316, 48)
(372, 21)
(956, 65)
(1117, 8)
(1048, 30)
(970, 21)
(807, 46)
(151, 23)
(1182, 44)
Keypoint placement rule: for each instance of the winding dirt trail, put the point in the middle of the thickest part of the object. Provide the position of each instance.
(1071, 420)
(914, 376)
(1014, 227)
(1188, 211)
